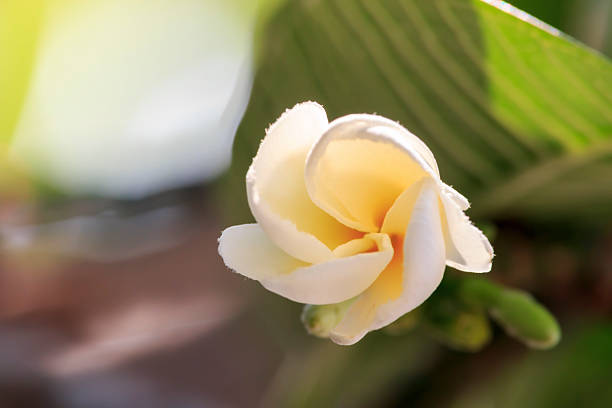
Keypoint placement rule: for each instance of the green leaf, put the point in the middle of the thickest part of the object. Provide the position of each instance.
(518, 115)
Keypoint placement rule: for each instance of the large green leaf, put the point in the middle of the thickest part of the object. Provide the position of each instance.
(518, 115)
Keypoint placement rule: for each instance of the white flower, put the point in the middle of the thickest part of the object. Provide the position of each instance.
(354, 208)
(130, 97)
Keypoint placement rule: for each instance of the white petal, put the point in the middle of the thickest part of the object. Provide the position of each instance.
(456, 196)
(409, 279)
(247, 250)
(467, 248)
(277, 193)
(123, 112)
(356, 170)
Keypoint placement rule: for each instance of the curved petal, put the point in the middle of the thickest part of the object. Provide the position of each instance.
(277, 193)
(360, 165)
(456, 196)
(247, 250)
(398, 217)
(410, 278)
(467, 248)
(122, 113)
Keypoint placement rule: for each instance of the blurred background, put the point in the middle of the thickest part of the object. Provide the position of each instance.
(126, 127)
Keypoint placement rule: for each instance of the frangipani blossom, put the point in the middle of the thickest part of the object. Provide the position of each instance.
(128, 98)
(351, 210)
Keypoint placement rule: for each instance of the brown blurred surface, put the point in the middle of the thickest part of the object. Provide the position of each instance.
(168, 329)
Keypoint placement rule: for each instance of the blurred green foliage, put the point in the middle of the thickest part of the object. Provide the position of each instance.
(575, 374)
(328, 375)
(589, 21)
(519, 117)
(455, 324)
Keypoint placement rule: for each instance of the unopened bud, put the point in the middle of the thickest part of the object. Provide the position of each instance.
(319, 320)
(527, 320)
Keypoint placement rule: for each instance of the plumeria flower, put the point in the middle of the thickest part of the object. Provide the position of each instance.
(127, 98)
(351, 210)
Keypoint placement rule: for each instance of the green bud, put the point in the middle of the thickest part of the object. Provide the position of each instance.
(517, 312)
(527, 320)
(319, 320)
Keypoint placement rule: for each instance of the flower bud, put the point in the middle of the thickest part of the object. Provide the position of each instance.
(527, 320)
(319, 320)
(517, 312)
